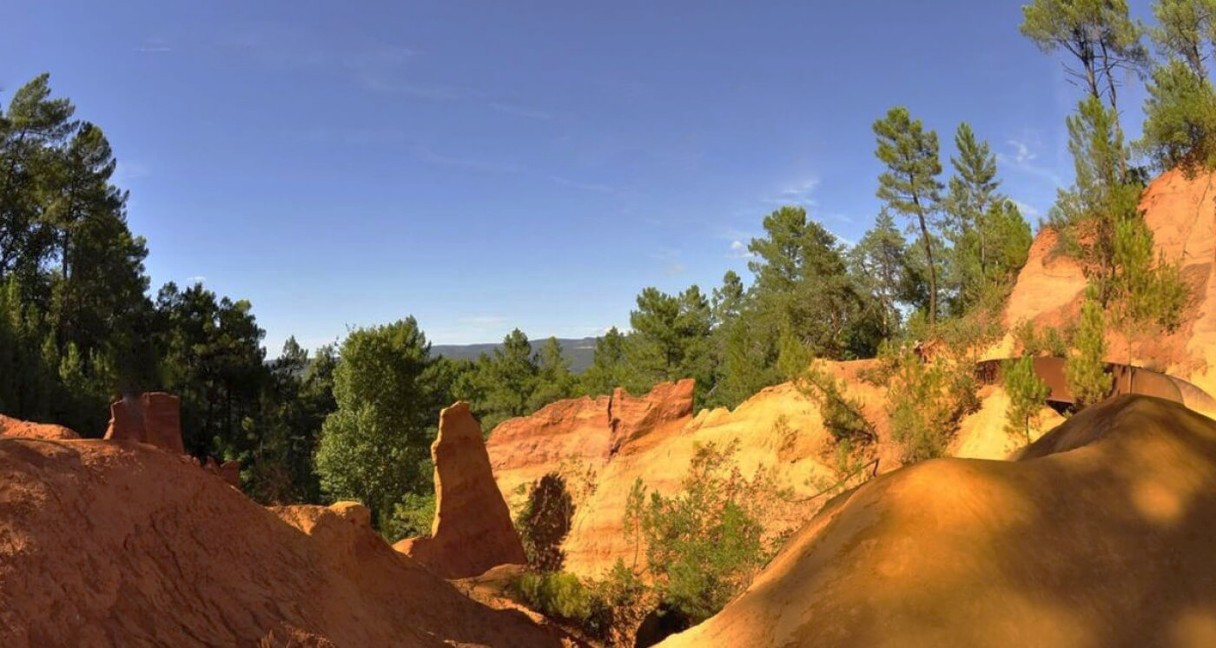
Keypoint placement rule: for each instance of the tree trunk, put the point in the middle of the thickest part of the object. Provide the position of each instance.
(924, 231)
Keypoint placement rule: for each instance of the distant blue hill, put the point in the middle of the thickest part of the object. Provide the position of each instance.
(578, 352)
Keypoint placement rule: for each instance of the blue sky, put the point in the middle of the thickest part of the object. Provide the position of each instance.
(490, 165)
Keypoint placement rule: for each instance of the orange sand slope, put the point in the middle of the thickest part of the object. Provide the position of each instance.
(1101, 535)
(124, 544)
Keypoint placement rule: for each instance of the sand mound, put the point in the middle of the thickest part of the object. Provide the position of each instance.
(123, 544)
(1100, 536)
(11, 427)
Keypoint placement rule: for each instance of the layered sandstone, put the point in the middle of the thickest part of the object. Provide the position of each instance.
(472, 531)
(615, 441)
(1099, 536)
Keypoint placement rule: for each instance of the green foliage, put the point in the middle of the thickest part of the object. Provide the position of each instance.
(1088, 214)
(1085, 371)
(842, 415)
(1051, 343)
(926, 400)
(1027, 395)
(671, 337)
(909, 185)
(1180, 118)
(1184, 28)
(1150, 292)
(375, 447)
(882, 269)
(513, 381)
(559, 595)
(412, 517)
(1099, 34)
(705, 543)
(609, 366)
(544, 522)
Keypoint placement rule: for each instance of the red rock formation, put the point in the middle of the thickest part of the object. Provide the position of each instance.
(654, 437)
(11, 427)
(632, 418)
(229, 471)
(121, 544)
(472, 531)
(153, 418)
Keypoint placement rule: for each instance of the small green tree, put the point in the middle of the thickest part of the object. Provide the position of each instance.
(375, 447)
(1085, 371)
(1027, 394)
(544, 522)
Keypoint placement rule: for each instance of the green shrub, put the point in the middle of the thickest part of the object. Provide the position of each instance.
(412, 517)
(842, 416)
(559, 595)
(926, 400)
(544, 522)
(705, 543)
(617, 605)
(1050, 343)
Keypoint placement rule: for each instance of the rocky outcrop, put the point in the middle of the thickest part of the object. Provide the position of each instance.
(472, 531)
(229, 471)
(123, 544)
(1099, 536)
(11, 427)
(1181, 213)
(615, 441)
(153, 418)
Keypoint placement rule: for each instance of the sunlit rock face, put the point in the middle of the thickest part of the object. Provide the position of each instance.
(1100, 534)
(1180, 210)
(472, 531)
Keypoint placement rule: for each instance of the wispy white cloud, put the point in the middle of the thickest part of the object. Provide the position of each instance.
(520, 111)
(197, 279)
(738, 250)
(586, 186)
(670, 259)
(799, 193)
(469, 164)
(1022, 157)
(1028, 210)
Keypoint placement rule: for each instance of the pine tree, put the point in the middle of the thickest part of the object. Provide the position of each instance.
(1027, 395)
(909, 185)
(971, 198)
(1086, 214)
(1100, 34)
(880, 266)
(554, 381)
(609, 365)
(1085, 371)
(1184, 29)
(1180, 118)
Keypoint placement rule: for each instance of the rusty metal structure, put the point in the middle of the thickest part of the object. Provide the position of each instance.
(1128, 379)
